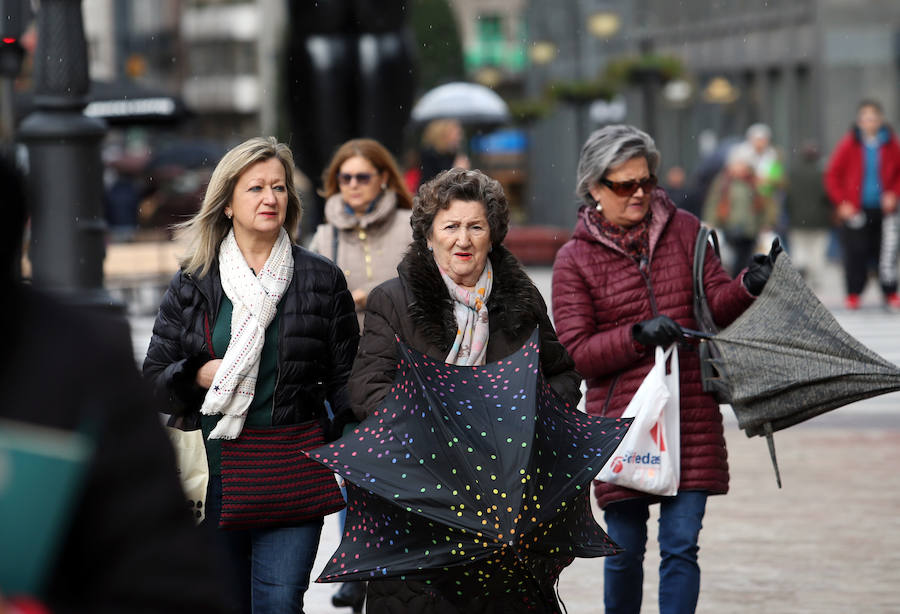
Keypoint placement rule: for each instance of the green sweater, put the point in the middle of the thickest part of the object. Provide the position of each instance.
(260, 411)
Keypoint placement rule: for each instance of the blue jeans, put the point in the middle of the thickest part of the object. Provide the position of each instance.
(272, 565)
(680, 521)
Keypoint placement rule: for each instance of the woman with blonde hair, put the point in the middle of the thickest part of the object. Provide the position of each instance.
(367, 216)
(254, 335)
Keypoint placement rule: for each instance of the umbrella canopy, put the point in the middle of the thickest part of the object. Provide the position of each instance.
(187, 154)
(477, 474)
(467, 102)
(127, 102)
(786, 359)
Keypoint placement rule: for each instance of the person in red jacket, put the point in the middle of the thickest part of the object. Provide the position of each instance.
(621, 286)
(863, 182)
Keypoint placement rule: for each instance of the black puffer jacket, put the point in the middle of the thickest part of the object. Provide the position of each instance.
(317, 339)
(417, 308)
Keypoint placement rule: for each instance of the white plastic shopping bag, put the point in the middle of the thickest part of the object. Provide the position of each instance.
(648, 458)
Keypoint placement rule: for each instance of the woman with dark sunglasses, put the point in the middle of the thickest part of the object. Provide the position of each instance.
(621, 286)
(367, 217)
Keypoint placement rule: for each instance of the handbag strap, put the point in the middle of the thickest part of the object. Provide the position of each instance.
(334, 243)
(702, 313)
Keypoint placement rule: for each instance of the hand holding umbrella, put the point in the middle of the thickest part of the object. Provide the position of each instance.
(474, 475)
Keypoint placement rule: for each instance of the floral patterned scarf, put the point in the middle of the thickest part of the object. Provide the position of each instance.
(470, 308)
(634, 241)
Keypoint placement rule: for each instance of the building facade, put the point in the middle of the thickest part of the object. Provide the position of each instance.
(799, 66)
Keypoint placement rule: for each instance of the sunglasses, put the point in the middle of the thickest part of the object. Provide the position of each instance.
(627, 188)
(361, 178)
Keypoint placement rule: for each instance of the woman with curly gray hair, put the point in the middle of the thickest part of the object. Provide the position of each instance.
(460, 296)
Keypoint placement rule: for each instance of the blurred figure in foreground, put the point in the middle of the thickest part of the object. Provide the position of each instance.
(736, 207)
(367, 217)
(253, 337)
(441, 148)
(863, 182)
(130, 544)
(809, 213)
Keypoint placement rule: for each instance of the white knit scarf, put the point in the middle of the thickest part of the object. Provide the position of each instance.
(470, 309)
(255, 299)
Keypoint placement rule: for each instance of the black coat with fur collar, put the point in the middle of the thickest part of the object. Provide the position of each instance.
(417, 307)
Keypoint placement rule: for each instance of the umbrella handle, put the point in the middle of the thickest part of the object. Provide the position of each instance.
(689, 332)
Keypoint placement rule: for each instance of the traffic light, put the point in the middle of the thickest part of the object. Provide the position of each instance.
(14, 18)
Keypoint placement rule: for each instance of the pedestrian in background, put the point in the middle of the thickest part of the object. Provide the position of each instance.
(863, 181)
(367, 217)
(128, 543)
(676, 187)
(736, 207)
(621, 286)
(442, 148)
(810, 215)
(253, 337)
(366, 232)
(463, 298)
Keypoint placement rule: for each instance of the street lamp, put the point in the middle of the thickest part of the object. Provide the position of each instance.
(604, 24)
(543, 52)
(65, 176)
(719, 90)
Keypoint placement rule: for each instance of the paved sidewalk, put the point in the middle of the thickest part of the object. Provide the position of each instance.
(828, 542)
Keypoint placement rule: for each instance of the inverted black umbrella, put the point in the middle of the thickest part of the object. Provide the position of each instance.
(475, 475)
(786, 359)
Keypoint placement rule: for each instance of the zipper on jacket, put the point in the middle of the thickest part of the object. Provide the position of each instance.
(644, 269)
(609, 395)
(277, 368)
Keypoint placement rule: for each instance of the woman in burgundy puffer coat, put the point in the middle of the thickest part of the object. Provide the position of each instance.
(622, 285)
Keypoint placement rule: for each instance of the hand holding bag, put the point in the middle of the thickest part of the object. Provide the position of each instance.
(649, 457)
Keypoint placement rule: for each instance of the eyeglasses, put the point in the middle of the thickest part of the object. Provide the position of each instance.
(627, 188)
(361, 178)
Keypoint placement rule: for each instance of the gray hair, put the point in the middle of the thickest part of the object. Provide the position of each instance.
(607, 148)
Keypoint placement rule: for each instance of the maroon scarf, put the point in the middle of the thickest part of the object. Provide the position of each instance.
(634, 241)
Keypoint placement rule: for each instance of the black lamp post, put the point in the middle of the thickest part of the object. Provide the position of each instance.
(65, 169)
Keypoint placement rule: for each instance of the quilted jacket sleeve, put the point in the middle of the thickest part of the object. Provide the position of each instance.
(376, 359)
(556, 364)
(596, 353)
(343, 338)
(167, 367)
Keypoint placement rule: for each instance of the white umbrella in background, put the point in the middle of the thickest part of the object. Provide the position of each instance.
(467, 102)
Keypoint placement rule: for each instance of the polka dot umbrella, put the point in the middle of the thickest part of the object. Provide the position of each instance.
(473, 477)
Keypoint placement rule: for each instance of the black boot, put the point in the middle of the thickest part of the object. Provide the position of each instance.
(351, 594)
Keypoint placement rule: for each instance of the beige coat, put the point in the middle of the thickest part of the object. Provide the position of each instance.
(369, 247)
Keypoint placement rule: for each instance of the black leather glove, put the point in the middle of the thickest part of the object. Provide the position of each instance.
(761, 268)
(661, 330)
